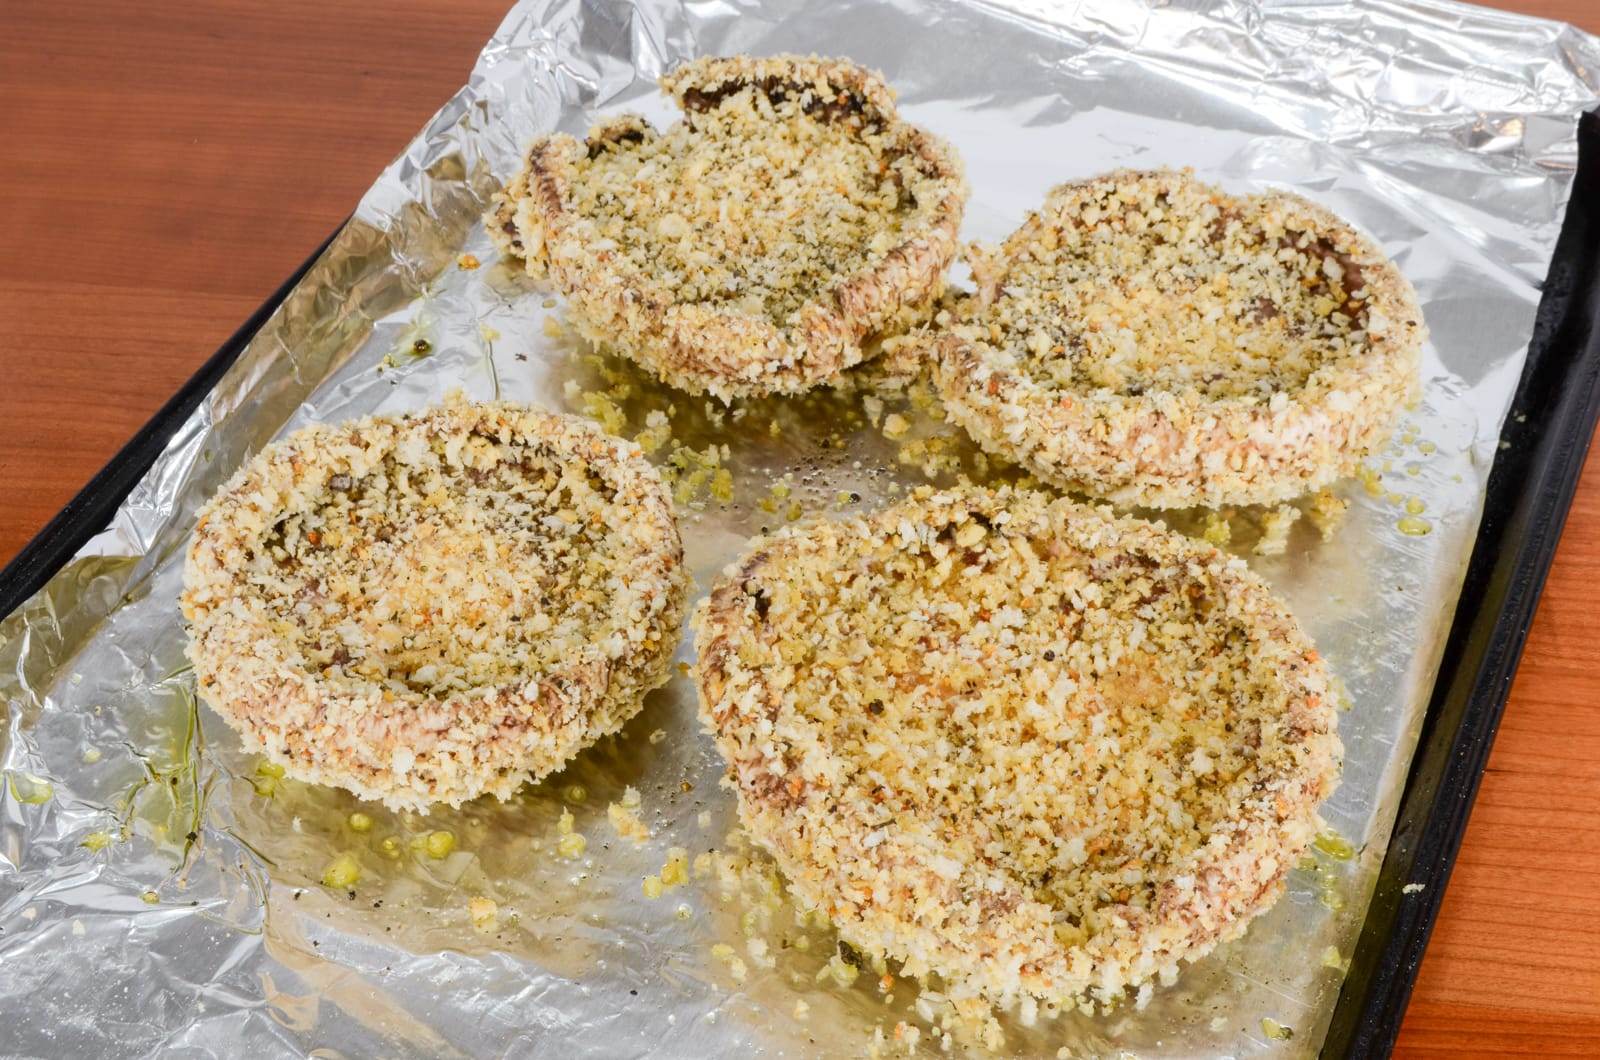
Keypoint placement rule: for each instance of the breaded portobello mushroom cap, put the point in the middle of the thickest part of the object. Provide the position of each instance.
(1015, 740)
(1147, 339)
(754, 246)
(429, 607)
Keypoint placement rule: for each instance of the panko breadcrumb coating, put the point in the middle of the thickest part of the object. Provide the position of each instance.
(1015, 740)
(1148, 339)
(754, 246)
(429, 607)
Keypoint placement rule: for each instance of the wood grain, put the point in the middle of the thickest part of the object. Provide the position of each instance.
(165, 164)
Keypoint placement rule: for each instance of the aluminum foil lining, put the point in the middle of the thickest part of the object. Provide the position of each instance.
(159, 893)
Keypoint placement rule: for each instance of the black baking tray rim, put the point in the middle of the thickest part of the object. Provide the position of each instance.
(1535, 473)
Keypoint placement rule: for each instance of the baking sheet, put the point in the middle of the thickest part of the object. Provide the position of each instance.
(158, 892)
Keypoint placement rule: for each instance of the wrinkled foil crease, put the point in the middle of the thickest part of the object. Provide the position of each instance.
(1445, 131)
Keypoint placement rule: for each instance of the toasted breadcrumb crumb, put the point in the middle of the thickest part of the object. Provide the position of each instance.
(1217, 530)
(1275, 527)
(1326, 512)
(675, 870)
(483, 912)
(627, 823)
(725, 953)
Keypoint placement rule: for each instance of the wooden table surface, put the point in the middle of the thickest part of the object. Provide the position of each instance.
(163, 165)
